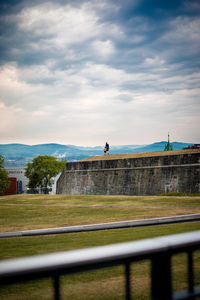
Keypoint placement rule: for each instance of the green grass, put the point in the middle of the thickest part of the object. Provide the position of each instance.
(101, 284)
(181, 194)
(24, 212)
(40, 211)
(24, 246)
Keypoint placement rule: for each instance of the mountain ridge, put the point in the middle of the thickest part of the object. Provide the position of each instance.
(17, 155)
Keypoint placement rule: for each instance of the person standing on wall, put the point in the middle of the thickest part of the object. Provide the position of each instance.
(106, 148)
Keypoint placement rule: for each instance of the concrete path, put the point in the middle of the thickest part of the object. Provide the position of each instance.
(104, 226)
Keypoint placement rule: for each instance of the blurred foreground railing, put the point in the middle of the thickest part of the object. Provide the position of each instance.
(158, 250)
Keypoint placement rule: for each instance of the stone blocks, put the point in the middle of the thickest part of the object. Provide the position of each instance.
(132, 176)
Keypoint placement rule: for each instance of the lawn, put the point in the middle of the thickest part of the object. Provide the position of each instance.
(39, 211)
(22, 212)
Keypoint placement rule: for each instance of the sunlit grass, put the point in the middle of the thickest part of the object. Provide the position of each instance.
(140, 154)
(22, 212)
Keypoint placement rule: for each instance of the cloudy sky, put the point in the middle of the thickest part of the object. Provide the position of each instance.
(86, 72)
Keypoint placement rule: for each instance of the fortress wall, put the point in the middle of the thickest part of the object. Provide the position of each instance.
(132, 176)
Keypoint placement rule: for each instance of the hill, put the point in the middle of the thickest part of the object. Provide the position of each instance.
(17, 155)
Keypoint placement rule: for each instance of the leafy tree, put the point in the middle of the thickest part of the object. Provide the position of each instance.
(41, 171)
(4, 183)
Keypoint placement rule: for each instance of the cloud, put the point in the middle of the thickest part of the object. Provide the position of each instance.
(60, 26)
(68, 24)
(77, 72)
(183, 30)
(77, 90)
(181, 41)
(11, 86)
(155, 61)
(103, 49)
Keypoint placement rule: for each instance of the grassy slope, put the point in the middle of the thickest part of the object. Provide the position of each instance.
(37, 211)
(141, 154)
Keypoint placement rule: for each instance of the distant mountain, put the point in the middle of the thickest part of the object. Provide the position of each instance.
(17, 155)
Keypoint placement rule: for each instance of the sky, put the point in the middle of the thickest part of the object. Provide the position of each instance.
(87, 72)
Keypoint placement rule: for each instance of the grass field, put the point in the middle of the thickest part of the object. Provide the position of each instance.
(42, 211)
(21, 212)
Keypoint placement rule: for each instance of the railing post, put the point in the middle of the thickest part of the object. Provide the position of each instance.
(161, 281)
(190, 273)
(56, 288)
(128, 281)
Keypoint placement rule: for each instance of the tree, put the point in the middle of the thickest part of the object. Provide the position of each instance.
(41, 171)
(4, 183)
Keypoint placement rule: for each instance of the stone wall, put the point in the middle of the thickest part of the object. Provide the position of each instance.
(132, 176)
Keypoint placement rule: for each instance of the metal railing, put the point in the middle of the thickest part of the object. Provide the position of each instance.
(158, 250)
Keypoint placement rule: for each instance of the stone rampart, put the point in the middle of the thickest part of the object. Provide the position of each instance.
(149, 175)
